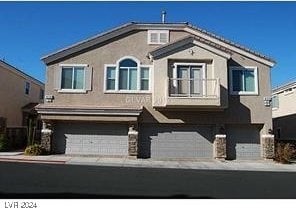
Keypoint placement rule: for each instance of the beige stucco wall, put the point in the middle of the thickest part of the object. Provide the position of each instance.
(13, 97)
(216, 67)
(286, 104)
(239, 109)
(133, 45)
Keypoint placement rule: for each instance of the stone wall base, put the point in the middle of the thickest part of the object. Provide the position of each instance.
(46, 136)
(268, 149)
(132, 143)
(220, 146)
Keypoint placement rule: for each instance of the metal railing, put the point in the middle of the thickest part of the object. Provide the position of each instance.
(199, 88)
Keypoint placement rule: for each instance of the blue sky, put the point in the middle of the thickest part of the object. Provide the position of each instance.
(30, 30)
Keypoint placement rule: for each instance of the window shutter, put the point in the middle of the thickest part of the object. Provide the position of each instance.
(88, 78)
(57, 77)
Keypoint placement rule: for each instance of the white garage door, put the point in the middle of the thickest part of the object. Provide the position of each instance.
(175, 141)
(243, 142)
(91, 139)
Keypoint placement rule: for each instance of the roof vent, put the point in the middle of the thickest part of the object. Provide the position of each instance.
(163, 16)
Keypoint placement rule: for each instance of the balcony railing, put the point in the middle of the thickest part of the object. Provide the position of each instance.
(193, 88)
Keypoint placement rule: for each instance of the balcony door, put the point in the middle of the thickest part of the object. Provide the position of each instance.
(189, 80)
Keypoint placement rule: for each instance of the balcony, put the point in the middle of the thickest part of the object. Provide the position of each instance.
(192, 92)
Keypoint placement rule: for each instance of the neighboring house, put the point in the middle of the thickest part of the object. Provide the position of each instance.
(19, 94)
(284, 111)
(158, 90)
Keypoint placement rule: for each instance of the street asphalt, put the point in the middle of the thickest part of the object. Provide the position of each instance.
(40, 180)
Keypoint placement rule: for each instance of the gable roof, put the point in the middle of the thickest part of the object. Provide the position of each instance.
(126, 28)
(284, 86)
(20, 73)
(213, 47)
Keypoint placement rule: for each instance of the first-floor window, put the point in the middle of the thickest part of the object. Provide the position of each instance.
(243, 80)
(72, 78)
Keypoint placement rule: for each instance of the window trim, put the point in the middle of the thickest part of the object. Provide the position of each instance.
(158, 37)
(139, 66)
(255, 68)
(61, 90)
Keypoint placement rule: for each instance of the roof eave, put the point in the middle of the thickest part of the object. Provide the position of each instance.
(184, 41)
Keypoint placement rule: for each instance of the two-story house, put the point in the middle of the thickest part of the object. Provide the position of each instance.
(19, 94)
(158, 90)
(284, 111)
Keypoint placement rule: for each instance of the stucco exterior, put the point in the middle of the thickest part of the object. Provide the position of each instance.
(284, 111)
(13, 96)
(220, 112)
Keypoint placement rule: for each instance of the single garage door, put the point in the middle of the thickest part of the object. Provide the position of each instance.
(91, 139)
(243, 142)
(175, 141)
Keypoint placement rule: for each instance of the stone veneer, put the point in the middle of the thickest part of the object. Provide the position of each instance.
(132, 142)
(220, 146)
(268, 149)
(46, 137)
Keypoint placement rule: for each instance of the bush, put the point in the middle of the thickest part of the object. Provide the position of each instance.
(285, 152)
(34, 150)
(3, 143)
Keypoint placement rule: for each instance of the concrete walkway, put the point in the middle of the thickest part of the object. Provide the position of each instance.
(149, 163)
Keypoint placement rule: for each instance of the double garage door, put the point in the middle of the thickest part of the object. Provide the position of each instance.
(91, 139)
(175, 141)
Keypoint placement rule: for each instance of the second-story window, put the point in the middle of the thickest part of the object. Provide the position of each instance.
(243, 80)
(72, 78)
(127, 75)
(41, 94)
(275, 101)
(27, 88)
(158, 36)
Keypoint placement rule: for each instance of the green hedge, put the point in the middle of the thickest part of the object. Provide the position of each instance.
(3, 143)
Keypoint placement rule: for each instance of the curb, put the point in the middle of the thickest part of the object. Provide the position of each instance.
(32, 161)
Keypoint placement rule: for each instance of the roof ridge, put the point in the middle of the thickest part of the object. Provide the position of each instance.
(90, 38)
(20, 71)
(231, 42)
(138, 25)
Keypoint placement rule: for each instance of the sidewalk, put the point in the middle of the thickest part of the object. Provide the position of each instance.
(149, 163)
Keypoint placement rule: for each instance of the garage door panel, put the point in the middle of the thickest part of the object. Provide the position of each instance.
(182, 141)
(88, 138)
(243, 142)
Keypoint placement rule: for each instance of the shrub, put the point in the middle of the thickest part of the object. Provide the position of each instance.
(285, 152)
(34, 150)
(3, 143)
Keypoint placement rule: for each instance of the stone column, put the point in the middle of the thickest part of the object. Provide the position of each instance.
(46, 136)
(220, 146)
(267, 146)
(132, 142)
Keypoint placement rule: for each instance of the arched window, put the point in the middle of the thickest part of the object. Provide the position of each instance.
(128, 73)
